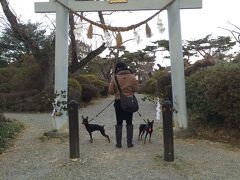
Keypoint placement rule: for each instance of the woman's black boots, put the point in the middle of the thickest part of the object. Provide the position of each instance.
(129, 135)
(118, 131)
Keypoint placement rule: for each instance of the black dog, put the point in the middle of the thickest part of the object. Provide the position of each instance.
(148, 128)
(94, 127)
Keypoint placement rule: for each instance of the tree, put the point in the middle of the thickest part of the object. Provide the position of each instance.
(43, 55)
(78, 62)
(235, 31)
(163, 45)
(210, 48)
(30, 39)
(12, 48)
(141, 62)
(104, 67)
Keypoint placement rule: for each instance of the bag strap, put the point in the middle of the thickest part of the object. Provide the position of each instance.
(118, 84)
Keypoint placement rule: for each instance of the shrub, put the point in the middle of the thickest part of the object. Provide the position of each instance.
(5, 76)
(85, 79)
(32, 100)
(89, 79)
(158, 84)
(8, 130)
(104, 91)
(2, 103)
(164, 86)
(5, 87)
(6, 73)
(26, 78)
(3, 63)
(237, 58)
(45, 99)
(163, 77)
(197, 66)
(91, 86)
(89, 92)
(214, 94)
(74, 90)
(150, 86)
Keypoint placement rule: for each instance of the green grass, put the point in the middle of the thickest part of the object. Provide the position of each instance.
(9, 128)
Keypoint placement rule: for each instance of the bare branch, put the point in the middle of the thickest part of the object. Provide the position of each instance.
(235, 34)
(234, 25)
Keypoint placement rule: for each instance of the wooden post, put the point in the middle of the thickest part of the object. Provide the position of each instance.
(73, 130)
(167, 111)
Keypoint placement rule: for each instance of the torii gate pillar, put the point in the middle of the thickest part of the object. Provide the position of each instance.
(61, 61)
(177, 65)
(175, 42)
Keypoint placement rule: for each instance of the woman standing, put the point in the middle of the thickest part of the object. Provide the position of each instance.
(128, 85)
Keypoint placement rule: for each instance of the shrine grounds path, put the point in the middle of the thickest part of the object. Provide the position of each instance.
(35, 157)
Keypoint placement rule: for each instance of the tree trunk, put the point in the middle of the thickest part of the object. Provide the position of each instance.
(73, 47)
(18, 31)
(75, 64)
(48, 70)
(89, 57)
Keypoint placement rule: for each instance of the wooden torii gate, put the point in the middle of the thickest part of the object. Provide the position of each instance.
(175, 42)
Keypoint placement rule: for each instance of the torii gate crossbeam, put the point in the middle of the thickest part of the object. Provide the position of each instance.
(175, 42)
(132, 5)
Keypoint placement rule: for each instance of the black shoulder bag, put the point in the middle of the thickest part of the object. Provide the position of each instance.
(128, 103)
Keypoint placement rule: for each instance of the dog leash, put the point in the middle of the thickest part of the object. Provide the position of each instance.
(141, 116)
(102, 110)
(108, 106)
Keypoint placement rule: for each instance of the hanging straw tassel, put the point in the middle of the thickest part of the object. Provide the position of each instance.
(90, 32)
(118, 39)
(148, 31)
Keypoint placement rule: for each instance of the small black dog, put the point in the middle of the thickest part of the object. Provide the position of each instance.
(93, 127)
(148, 128)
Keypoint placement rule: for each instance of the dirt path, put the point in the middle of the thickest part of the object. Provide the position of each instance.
(33, 157)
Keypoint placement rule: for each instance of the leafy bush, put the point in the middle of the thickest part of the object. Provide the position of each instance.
(20, 86)
(89, 79)
(74, 90)
(214, 94)
(164, 86)
(32, 100)
(6, 73)
(197, 66)
(74, 84)
(92, 86)
(8, 130)
(2, 103)
(237, 58)
(163, 77)
(5, 76)
(85, 79)
(88, 92)
(150, 86)
(158, 84)
(3, 63)
(26, 78)
(5, 87)
(104, 91)
(44, 99)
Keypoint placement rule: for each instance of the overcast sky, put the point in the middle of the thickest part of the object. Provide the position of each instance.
(196, 23)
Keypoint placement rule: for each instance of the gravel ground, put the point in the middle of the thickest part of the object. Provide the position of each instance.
(33, 157)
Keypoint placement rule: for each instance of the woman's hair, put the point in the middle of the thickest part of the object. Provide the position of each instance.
(120, 66)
